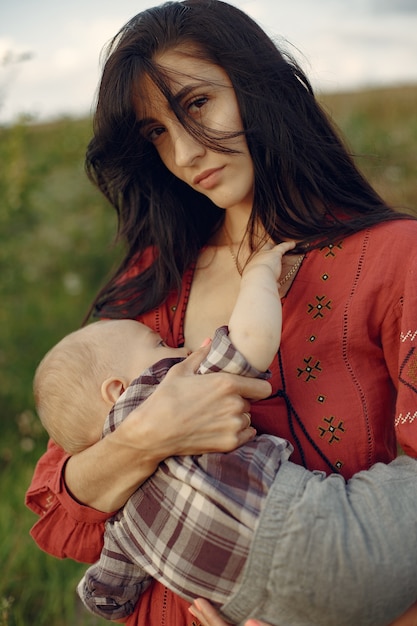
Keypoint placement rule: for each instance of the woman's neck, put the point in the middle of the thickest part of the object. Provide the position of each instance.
(234, 231)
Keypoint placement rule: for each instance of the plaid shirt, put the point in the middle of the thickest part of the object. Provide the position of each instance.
(190, 525)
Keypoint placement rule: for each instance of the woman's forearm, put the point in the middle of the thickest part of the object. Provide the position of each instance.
(105, 475)
(94, 476)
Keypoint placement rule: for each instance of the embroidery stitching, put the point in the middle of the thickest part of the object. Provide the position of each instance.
(294, 419)
(404, 419)
(409, 359)
(408, 335)
(331, 429)
(319, 307)
(310, 369)
(412, 370)
(345, 342)
(330, 249)
(49, 500)
(164, 607)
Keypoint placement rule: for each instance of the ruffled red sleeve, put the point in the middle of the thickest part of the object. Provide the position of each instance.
(65, 527)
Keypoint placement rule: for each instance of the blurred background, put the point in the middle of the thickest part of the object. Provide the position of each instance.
(342, 45)
(56, 231)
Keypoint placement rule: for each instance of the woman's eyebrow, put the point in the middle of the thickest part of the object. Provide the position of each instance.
(145, 122)
(200, 83)
(187, 89)
(177, 98)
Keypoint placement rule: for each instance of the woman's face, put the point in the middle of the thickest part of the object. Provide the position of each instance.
(205, 92)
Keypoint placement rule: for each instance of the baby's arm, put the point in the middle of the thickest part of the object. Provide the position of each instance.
(112, 586)
(255, 323)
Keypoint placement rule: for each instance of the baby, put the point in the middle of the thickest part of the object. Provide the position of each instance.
(194, 523)
(99, 362)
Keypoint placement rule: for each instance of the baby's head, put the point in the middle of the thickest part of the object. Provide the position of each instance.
(81, 377)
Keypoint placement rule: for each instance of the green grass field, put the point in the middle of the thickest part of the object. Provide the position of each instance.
(55, 250)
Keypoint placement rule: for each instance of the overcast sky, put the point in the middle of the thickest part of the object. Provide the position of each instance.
(341, 44)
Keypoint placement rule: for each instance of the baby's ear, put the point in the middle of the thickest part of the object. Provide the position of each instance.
(112, 389)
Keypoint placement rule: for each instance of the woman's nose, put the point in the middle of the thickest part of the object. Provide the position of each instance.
(186, 147)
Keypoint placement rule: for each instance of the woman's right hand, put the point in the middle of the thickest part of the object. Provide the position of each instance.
(194, 414)
(186, 414)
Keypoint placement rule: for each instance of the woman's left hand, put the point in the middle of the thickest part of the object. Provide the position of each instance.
(208, 616)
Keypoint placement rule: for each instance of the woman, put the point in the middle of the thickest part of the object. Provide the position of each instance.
(209, 142)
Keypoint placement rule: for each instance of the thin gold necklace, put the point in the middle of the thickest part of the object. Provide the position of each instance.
(234, 257)
(291, 271)
(281, 282)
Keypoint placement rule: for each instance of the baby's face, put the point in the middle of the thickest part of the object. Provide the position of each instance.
(141, 347)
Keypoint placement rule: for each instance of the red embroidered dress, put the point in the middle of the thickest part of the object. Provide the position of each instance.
(344, 385)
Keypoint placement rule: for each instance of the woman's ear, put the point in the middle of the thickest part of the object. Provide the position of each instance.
(112, 388)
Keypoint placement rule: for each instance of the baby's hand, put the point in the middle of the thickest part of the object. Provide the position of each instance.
(271, 256)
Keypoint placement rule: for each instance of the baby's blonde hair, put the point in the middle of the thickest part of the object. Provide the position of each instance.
(67, 387)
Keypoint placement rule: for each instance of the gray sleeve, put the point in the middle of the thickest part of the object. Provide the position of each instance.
(329, 552)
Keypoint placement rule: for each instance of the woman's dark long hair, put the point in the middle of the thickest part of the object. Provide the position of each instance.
(307, 186)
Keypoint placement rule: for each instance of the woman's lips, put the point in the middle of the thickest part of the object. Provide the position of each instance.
(208, 178)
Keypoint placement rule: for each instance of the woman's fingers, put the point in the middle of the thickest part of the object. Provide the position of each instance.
(208, 616)
(245, 387)
(194, 414)
(190, 365)
(206, 613)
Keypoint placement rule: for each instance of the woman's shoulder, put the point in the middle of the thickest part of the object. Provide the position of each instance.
(386, 250)
(395, 238)
(395, 232)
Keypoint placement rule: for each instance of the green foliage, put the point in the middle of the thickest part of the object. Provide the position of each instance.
(55, 246)
(56, 235)
(381, 128)
(34, 587)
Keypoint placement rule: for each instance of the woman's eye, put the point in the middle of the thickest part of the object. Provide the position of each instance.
(197, 104)
(153, 134)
